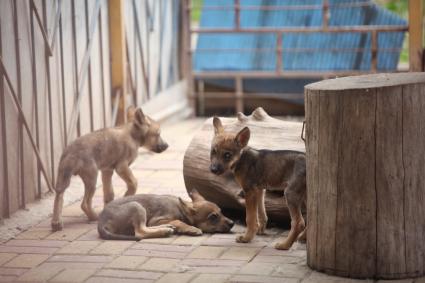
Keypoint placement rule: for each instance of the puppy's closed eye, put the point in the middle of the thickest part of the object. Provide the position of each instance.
(213, 217)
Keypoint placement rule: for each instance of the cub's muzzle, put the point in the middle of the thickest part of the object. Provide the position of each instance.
(161, 147)
(216, 169)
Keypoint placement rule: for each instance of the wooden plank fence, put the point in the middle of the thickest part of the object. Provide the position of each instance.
(55, 80)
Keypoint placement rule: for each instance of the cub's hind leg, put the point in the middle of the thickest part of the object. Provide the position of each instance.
(295, 195)
(141, 231)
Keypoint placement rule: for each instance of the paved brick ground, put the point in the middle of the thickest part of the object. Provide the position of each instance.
(76, 254)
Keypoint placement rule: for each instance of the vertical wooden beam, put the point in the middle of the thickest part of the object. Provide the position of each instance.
(325, 14)
(374, 50)
(201, 96)
(187, 58)
(279, 51)
(415, 35)
(239, 94)
(117, 49)
(237, 9)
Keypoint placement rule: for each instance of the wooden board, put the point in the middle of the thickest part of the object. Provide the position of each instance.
(42, 62)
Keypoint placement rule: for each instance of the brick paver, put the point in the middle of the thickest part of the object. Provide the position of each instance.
(176, 278)
(40, 274)
(112, 248)
(207, 252)
(211, 278)
(129, 274)
(27, 260)
(73, 275)
(240, 253)
(127, 262)
(78, 247)
(160, 264)
(5, 257)
(77, 254)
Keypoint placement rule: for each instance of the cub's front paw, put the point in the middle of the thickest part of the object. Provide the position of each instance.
(283, 245)
(243, 238)
(168, 226)
(193, 231)
(57, 226)
(262, 228)
(168, 231)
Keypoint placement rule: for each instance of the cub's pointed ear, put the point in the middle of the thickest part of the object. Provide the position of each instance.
(140, 118)
(242, 137)
(131, 110)
(195, 195)
(189, 210)
(218, 126)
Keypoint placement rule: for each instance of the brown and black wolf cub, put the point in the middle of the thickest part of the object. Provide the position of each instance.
(255, 171)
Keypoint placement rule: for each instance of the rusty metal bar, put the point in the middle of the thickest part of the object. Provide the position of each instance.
(297, 49)
(333, 29)
(325, 14)
(279, 48)
(24, 121)
(247, 95)
(273, 74)
(284, 7)
(374, 51)
(83, 70)
(237, 11)
(239, 94)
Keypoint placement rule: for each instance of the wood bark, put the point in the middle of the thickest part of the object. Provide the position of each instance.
(365, 140)
(267, 133)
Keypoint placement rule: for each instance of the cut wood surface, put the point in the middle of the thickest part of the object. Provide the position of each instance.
(365, 140)
(266, 133)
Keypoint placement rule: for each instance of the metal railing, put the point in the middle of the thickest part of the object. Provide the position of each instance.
(198, 94)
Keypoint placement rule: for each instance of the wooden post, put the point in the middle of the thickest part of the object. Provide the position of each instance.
(187, 52)
(118, 55)
(365, 161)
(415, 35)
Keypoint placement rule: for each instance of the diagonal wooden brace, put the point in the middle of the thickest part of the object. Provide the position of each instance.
(27, 129)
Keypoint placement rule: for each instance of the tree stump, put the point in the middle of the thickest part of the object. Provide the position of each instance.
(365, 140)
(266, 132)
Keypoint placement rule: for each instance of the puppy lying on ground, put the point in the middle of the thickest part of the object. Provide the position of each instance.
(153, 216)
(107, 150)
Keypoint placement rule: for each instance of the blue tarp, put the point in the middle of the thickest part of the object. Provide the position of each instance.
(322, 59)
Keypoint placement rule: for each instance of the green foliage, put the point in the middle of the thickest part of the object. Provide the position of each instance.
(196, 12)
(400, 7)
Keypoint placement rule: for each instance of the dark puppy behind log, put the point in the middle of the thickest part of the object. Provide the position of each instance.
(267, 133)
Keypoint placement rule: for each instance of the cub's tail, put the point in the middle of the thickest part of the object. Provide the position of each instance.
(105, 234)
(66, 169)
